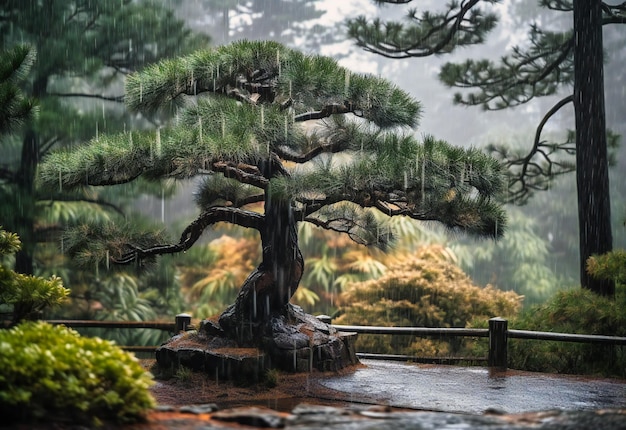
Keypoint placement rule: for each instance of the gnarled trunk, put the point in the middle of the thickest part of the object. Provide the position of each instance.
(267, 291)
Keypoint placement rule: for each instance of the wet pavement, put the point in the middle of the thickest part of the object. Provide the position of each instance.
(474, 390)
(385, 395)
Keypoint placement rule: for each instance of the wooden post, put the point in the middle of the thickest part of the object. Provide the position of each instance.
(182, 322)
(498, 337)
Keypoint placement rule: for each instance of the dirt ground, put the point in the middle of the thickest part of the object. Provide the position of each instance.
(283, 394)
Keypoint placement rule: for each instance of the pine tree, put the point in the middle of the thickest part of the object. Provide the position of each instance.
(84, 49)
(312, 141)
(553, 61)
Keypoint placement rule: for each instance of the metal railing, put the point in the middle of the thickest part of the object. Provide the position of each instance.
(497, 333)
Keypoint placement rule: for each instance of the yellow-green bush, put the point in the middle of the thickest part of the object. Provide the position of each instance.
(26, 295)
(423, 289)
(51, 371)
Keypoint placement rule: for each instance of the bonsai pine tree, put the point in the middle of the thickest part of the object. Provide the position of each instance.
(310, 140)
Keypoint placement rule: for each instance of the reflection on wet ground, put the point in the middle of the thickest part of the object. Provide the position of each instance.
(476, 389)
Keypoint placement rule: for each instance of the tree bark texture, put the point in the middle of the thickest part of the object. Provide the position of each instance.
(24, 219)
(268, 289)
(592, 176)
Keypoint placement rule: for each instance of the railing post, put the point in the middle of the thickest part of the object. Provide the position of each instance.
(182, 322)
(498, 338)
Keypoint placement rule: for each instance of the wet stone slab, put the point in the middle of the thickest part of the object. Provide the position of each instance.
(308, 416)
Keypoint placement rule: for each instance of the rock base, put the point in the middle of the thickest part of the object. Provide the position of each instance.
(293, 342)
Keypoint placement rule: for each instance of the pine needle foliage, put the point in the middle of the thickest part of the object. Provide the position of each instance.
(272, 119)
(573, 311)
(428, 33)
(541, 70)
(15, 108)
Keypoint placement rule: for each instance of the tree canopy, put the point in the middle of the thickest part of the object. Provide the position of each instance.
(262, 91)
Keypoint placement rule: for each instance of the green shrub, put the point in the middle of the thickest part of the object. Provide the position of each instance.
(572, 311)
(25, 295)
(51, 371)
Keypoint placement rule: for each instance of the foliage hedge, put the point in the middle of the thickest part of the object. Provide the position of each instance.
(572, 311)
(423, 289)
(52, 372)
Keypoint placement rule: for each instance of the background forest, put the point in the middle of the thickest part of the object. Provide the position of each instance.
(77, 81)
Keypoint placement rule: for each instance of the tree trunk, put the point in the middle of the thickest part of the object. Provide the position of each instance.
(24, 222)
(267, 291)
(592, 176)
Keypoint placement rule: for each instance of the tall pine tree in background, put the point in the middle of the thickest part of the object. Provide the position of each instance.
(553, 61)
(305, 137)
(85, 47)
(84, 50)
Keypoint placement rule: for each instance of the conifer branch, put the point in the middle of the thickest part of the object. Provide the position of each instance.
(257, 198)
(519, 79)
(244, 173)
(287, 155)
(193, 232)
(534, 175)
(445, 29)
(328, 110)
(88, 95)
(45, 147)
(99, 202)
(615, 13)
(342, 225)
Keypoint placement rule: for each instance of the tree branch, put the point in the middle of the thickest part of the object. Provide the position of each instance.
(303, 158)
(193, 232)
(244, 173)
(67, 198)
(615, 13)
(45, 147)
(452, 24)
(87, 95)
(328, 110)
(533, 170)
